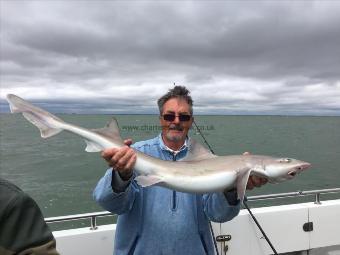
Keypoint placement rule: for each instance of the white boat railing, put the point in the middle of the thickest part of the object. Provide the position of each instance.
(299, 193)
(94, 215)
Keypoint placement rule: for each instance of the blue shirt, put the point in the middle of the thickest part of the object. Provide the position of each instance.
(157, 220)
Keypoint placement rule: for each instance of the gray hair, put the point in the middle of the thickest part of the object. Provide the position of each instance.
(180, 92)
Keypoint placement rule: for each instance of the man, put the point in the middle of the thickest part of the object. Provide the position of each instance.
(157, 220)
(22, 226)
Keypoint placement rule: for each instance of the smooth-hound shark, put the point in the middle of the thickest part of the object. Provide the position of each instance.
(199, 172)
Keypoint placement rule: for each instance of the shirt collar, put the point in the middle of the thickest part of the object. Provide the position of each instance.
(166, 148)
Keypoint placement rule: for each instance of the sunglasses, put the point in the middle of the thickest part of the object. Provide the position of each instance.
(172, 117)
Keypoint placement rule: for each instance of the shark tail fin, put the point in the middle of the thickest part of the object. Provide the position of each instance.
(48, 124)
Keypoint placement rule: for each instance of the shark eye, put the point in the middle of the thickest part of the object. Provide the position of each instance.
(285, 160)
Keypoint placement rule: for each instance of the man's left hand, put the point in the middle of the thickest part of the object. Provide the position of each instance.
(255, 181)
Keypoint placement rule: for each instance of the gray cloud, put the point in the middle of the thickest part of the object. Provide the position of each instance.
(236, 57)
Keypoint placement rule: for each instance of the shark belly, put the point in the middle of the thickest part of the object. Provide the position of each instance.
(201, 183)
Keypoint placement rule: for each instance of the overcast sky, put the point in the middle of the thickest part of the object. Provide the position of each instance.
(236, 57)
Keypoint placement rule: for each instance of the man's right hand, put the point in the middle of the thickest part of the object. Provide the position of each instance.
(121, 160)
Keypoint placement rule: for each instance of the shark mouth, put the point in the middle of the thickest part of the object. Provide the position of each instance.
(292, 173)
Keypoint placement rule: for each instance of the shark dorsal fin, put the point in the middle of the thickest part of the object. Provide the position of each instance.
(197, 152)
(111, 131)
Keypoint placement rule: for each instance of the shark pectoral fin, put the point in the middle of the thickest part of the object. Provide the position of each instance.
(92, 147)
(148, 180)
(242, 180)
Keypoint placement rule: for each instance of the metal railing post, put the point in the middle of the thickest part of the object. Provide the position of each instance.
(93, 222)
(317, 199)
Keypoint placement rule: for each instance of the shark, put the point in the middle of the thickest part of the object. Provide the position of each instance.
(199, 172)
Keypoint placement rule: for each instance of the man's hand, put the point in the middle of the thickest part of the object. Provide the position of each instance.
(255, 181)
(121, 160)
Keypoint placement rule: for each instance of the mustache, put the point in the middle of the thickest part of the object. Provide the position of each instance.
(175, 127)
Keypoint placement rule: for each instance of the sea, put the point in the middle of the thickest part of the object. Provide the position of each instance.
(60, 175)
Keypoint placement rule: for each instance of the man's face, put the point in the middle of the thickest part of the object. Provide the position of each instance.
(175, 131)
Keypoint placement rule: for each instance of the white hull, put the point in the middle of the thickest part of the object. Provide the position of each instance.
(282, 224)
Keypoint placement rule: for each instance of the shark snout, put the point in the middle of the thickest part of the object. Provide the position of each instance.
(303, 166)
(298, 169)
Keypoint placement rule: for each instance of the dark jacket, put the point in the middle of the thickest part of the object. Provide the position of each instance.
(22, 226)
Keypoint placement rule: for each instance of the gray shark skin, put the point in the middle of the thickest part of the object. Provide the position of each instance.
(199, 172)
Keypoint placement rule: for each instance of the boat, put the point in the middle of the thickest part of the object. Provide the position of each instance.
(303, 228)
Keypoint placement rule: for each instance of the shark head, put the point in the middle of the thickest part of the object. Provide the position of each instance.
(282, 169)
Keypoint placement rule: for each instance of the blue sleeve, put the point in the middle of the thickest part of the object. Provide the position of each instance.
(117, 202)
(218, 209)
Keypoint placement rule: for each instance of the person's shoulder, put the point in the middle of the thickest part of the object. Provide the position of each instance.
(8, 186)
(12, 197)
(9, 190)
(147, 143)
